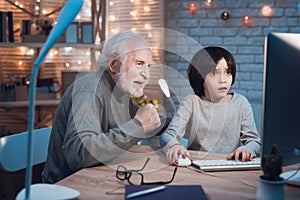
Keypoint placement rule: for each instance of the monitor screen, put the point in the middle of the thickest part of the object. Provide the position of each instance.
(281, 96)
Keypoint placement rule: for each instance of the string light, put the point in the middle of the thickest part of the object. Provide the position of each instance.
(225, 15)
(146, 8)
(133, 13)
(267, 11)
(112, 18)
(44, 11)
(67, 49)
(246, 19)
(208, 3)
(67, 65)
(193, 7)
(147, 26)
(22, 49)
(51, 54)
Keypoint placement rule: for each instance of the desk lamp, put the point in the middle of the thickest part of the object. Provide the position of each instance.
(66, 16)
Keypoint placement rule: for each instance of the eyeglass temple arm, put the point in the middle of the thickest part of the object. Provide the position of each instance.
(137, 170)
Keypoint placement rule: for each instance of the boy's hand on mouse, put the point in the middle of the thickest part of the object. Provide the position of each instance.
(240, 154)
(175, 151)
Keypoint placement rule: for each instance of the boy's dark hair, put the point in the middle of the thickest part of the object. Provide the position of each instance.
(205, 62)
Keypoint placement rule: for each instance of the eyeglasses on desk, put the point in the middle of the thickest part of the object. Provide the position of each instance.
(135, 177)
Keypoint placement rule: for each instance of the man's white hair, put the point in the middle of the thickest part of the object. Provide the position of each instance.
(119, 45)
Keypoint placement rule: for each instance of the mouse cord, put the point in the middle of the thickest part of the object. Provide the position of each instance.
(201, 171)
(297, 170)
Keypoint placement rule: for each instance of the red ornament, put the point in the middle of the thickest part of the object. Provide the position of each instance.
(246, 19)
(193, 7)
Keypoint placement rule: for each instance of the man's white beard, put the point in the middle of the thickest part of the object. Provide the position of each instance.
(127, 86)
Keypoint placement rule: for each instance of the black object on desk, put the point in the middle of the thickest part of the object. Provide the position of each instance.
(180, 192)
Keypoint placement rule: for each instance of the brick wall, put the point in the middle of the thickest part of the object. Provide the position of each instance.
(244, 41)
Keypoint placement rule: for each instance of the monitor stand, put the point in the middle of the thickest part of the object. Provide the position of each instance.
(293, 177)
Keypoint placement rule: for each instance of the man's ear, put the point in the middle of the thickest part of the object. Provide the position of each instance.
(114, 66)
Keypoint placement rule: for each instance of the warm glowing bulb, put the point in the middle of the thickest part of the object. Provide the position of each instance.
(16, 3)
(21, 6)
(68, 49)
(133, 13)
(133, 29)
(37, 8)
(246, 19)
(67, 65)
(112, 30)
(132, 1)
(20, 62)
(44, 11)
(22, 49)
(208, 3)
(79, 62)
(55, 52)
(147, 26)
(267, 11)
(112, 18)
(111, 3)
(146, 8)
(225, 15)
(193, 7)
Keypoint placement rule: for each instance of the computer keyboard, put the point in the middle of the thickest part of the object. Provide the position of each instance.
(226, 165)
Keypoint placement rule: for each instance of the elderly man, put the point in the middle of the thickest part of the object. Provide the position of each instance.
(96, 119)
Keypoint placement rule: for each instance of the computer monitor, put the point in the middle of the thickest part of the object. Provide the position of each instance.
(281, 96)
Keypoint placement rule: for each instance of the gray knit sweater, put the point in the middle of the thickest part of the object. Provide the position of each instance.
(93, 124)
(214, 127)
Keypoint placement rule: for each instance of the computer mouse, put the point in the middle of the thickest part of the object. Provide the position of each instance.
(183, 162)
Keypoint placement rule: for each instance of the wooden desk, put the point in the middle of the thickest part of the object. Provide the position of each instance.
(100, 182)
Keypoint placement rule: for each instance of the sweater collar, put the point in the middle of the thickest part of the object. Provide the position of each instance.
(115, 90)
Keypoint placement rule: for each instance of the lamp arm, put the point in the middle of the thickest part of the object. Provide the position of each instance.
(66, 16)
